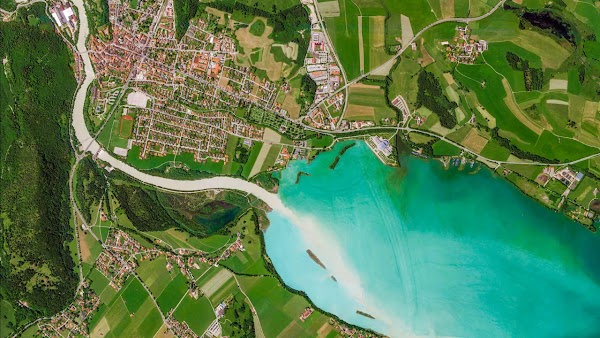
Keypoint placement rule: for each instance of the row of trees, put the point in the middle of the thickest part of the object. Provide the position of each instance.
(520, 153)
(533, 77)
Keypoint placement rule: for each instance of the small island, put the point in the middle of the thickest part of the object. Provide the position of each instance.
(364, 314)
(315, 258)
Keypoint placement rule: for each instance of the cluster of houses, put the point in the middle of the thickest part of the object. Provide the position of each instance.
(465, 48)
(164, 130)
(179, 329)
(73, 319)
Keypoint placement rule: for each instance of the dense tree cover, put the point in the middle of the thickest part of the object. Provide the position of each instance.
(239, 322)
(37, 267)
(431, 96)
(550, 21)
(8, 5)
(97, 14)
(532, 77)
(308, 89)
(522, 154)
(202, 213)
(289, 25)
(184, 11)
(90, 187)
(142, 208)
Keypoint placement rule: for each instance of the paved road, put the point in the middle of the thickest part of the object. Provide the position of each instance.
(405, 47)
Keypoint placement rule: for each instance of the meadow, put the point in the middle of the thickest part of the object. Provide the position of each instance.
(367, 102)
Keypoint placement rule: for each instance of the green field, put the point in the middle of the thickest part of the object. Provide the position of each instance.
(173, 293)
(197, 313)
(343, 31)
(371, 96)
(278, 309)
(563, 149)
(257, 28)
(491, 97)
(497, 60)
(156, 162)
(251, 159)
(443, 148)
(494, 151)
(134, 296)
(249, 261)
(155, 274)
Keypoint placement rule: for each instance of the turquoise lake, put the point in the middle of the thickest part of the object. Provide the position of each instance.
(437, 252)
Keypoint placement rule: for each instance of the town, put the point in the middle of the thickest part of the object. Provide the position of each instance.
(179, 94)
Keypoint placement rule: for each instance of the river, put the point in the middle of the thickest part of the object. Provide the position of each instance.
(429, 251)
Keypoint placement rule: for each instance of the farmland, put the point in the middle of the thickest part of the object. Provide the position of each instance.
(367, 102)
(167, 292)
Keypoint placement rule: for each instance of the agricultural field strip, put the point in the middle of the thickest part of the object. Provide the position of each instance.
(398, 54)
(507, 84)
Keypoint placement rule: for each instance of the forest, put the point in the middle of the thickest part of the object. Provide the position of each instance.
(431, 96)
(37, 90)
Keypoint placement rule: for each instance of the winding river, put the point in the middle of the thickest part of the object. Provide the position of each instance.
(434, 263)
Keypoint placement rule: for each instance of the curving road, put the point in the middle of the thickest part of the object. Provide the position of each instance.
(403, 49)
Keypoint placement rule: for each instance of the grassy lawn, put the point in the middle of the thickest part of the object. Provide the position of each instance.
(371, 96)
(251, 158)
(494, 151)
(404, 81)
(134, 295)
(257, 28)
(584, 193)
(271, 157)
(504, 26)
(563, 149)
(7, 315)
(279, 310)
(497, 59)
(154, 162)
